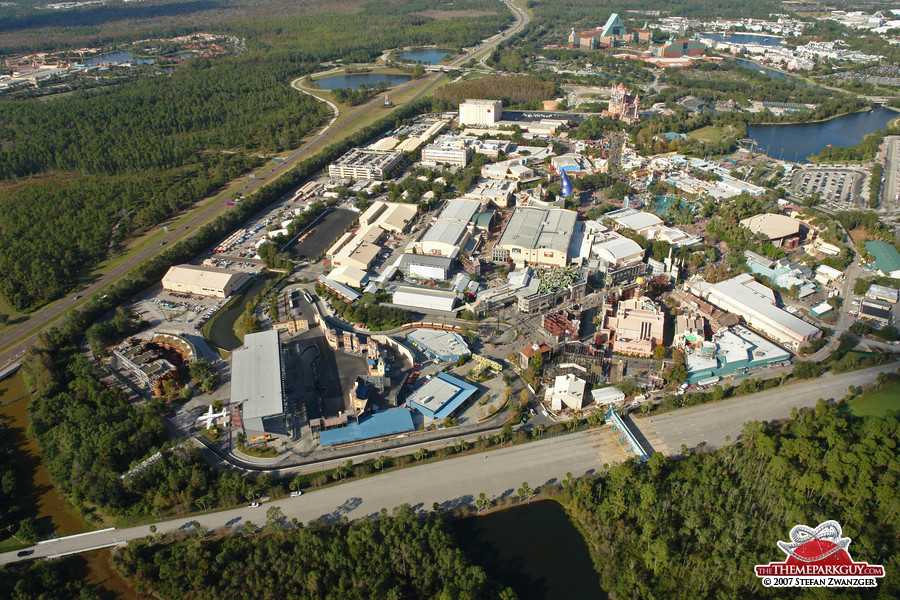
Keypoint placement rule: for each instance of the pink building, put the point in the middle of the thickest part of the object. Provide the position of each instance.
(637, 327)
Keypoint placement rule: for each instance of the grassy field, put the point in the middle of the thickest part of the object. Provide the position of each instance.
(709, 133)
(877, 402)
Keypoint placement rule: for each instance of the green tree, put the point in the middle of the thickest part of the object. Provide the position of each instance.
(524, 491)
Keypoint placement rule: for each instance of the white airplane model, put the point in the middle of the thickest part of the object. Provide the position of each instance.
(209, 417)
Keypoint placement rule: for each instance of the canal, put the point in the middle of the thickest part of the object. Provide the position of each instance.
(221, 329)
(796, 141)
(48, 507)
(533, 548)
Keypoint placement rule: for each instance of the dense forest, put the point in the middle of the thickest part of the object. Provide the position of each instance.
(517, 89)
(31, 30)
(121, 160)
(392, 557)
(695, 527)
(60, 579)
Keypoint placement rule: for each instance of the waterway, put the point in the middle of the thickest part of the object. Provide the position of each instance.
(357, 80)
(746, 38)
(749, 64)
(221, 331)
(48, 507)
(798, 141)
(533, 548)
(428, 56)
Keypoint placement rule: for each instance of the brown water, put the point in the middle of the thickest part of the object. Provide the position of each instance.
(51, 510)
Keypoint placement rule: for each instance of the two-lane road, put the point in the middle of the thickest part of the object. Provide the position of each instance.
(459, 481)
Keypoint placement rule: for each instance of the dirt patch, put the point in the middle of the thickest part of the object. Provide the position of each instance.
(859, 235)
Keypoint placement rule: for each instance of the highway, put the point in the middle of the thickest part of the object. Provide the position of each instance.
(712, 423)
(459, 481)
(26, 332)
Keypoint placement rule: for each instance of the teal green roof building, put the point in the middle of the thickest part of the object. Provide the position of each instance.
(887, 259)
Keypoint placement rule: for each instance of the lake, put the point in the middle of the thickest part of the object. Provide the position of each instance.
(797, 141)
(428, 56)
(533, 548)
(746, 38)
(357, 80)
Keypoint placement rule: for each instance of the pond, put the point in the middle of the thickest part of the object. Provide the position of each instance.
(357, 80)
(533, 548)
(797, 141)
(428, 56)
(660, 204)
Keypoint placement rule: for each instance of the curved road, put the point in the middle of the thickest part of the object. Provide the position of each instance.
(12, 350)
(458, 481)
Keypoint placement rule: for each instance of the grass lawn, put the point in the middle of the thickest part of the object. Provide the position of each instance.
(709, 133)
(877, 402)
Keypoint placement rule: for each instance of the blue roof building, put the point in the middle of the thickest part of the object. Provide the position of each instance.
(440, 397)
(381, 424)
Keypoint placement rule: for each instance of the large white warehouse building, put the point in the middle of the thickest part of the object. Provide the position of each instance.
(203, 281)
(755, 303)
(480, 112)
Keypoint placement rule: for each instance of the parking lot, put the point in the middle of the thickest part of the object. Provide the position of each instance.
(841, 187)
(326, 232)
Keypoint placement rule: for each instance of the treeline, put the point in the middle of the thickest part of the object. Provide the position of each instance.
(695, 527)
(368, 310)
(396, 556)
(11, 492)
(140, 152)
(863, 151)
(517, 89)
(356, 97)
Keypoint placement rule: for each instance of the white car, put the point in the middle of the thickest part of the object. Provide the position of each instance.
(296, 494)
(253, 505)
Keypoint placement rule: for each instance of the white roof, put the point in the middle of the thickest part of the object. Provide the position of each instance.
(607, 395)
(761, 301)
(635, 219)
(256, 378)
(830, 272)
(348, 275)
(208, 277)
(772, 226)
(424, 298)
(618, 249)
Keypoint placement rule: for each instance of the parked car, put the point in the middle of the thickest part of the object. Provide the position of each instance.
(253, 505)
(296, 494)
